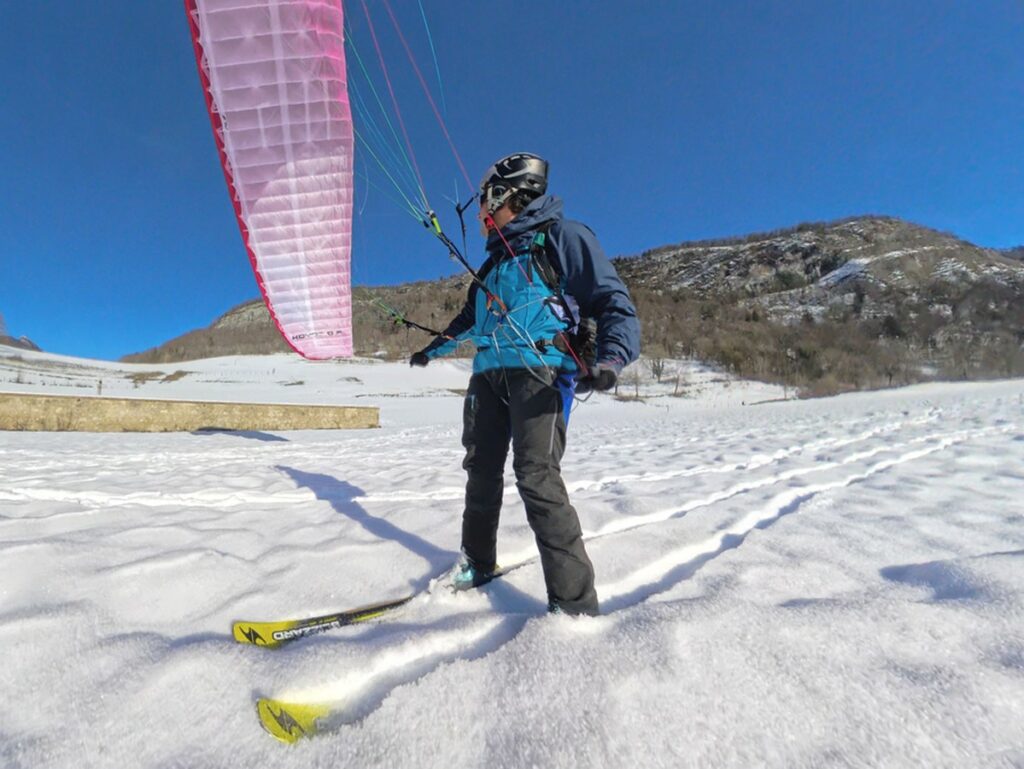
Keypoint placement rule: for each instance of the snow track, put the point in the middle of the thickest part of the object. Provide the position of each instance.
(352, 699)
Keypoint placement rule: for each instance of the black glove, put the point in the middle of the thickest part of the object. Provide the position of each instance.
(419, 359)
(601, 377)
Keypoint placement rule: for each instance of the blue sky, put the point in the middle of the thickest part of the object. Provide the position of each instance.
(663, 122)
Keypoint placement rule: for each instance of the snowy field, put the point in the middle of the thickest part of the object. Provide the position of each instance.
(829, 583)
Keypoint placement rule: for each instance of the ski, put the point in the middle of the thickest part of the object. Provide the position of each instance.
(290, 721)
(273, 635)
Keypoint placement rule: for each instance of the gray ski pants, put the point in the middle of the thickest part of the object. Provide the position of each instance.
(526, 408)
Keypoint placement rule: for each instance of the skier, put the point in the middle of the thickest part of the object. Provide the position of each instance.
(542, 275)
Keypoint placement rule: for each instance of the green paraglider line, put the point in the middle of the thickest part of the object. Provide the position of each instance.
(384, 113)
(394, 101)
(369, 149)
(398, 203)
(374, 131)
(426, 89)
(428, 217)
(433, 53)
(400, 319)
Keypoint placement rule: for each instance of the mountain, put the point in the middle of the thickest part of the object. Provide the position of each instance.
(1014, 253)
(870, 267)
(881, 250)
(861, 302)
(248, 330)
(22, 342)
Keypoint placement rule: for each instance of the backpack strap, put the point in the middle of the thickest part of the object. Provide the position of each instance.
(581, 343)
(543, 264)
(545, 267)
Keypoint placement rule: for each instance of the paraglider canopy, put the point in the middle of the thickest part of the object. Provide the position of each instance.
(274, 76)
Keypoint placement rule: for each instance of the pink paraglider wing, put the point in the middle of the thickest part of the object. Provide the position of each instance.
(274, 76)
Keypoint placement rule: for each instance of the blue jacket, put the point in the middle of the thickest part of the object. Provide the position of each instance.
(513, 321)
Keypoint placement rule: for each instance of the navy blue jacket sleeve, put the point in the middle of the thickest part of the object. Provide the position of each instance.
(591, 279)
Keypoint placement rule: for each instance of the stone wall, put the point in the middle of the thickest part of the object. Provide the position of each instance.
(102, 415)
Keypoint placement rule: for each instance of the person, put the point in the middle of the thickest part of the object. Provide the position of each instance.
(542, 276)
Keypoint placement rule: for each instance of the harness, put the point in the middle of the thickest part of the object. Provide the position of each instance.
(581, 341)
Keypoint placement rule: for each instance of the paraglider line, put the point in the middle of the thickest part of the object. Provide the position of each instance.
(400, 319)
(397, 149)
(394, 102)
(426, 90)
(404, 172)
(366, 145)
(433, 52)
(370, 183)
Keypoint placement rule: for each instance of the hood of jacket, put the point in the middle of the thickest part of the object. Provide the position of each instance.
(543, 209)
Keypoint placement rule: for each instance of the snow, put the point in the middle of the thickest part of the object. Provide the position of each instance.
(826, 583)
(850, 269)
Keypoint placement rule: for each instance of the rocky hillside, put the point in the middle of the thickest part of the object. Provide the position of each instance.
(248, 330)
(873, 266)
(827, 260)
(23, 343)
(861, 302)
(1014, 253)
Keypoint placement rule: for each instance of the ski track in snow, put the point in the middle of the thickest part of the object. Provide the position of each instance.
(135, 522)
(353, 697)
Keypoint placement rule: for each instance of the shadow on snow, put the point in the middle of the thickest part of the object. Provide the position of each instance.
(342, 497)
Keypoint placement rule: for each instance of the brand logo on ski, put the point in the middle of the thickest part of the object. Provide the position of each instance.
(299, 632)
(284, 719)
(272, 635)
(252, 635)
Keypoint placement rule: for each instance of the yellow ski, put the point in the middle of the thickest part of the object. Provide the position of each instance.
(275, 634)
(290, 721)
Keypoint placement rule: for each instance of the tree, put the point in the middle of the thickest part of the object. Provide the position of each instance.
(891, 327)
(657, 367)
(858, 299)
(682, 381)
(3, 325)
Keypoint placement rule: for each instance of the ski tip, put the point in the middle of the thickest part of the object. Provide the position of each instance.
(254, 633)
(289, 722)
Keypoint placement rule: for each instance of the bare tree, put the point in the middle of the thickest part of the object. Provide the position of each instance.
(3, 325)
(682, 381)
(657, 367)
